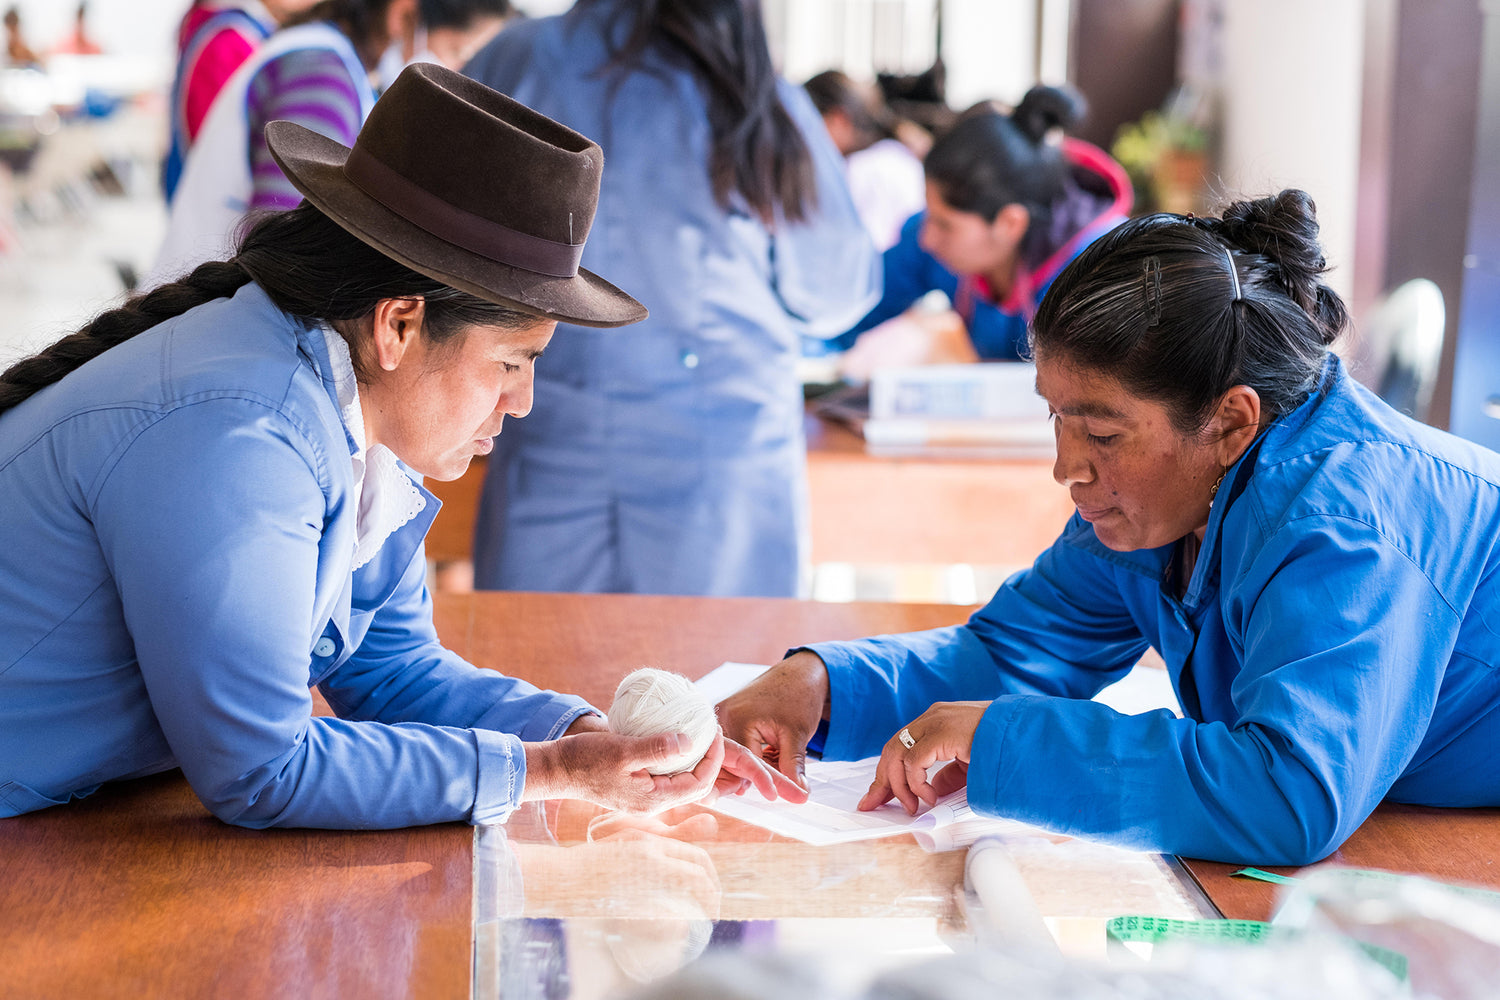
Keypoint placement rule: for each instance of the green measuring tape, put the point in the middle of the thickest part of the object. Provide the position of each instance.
(1483, 895)
(1166, 930)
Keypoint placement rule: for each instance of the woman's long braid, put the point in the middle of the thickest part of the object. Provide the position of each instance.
(30, 375)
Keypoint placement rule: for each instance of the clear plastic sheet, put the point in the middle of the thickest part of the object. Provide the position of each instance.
(1294, 968)
(573, 903)
(1447, 937)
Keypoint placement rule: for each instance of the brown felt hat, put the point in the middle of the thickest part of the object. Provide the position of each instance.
(469, 187)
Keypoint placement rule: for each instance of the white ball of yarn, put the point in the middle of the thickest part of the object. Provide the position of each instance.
(649, 702)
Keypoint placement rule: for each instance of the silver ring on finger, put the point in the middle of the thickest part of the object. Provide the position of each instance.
(906, 738)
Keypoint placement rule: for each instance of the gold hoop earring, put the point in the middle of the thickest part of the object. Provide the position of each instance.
(1213, 491)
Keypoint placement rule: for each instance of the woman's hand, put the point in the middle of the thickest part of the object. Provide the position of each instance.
(743, 770)
(776, 714)
(611, 770)
(945, 732)
(587, 723)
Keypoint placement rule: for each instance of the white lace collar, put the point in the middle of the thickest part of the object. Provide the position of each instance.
(384, 495)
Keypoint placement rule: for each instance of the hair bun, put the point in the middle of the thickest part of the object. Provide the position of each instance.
(1045, 108)
(1283, 229)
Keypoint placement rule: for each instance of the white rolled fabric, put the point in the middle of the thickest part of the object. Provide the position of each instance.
(649, 702)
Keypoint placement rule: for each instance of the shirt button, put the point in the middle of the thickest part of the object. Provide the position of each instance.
(324, 648)
(689, 359)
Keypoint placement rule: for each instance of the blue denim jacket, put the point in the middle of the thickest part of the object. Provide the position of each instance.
(175, 576)
(1337, 644)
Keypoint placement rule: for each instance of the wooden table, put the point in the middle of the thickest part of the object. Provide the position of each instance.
(137, 891)
(1451, 845)
(871, 510)
(932, 509)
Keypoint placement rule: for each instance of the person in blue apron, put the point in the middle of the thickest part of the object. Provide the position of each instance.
(675, 464)
(1007, 208)
(212, 497)
(1319, 573)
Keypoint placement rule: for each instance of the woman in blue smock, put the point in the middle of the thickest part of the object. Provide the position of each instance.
(211, 497)
(674, 463)
(1007, 209)
(1320, 573)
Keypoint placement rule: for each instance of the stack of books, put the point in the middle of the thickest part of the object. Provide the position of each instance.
(990, 409)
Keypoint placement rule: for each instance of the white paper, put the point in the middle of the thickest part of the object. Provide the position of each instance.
(727, 678)
(831, 814)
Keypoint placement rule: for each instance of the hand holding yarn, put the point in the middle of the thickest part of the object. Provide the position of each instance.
(649, 702)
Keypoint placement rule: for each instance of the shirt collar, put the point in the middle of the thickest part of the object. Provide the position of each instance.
(1237, 476)
(384, 495)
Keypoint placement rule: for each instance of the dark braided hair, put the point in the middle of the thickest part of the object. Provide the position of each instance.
(308, 265)
(1152, 304)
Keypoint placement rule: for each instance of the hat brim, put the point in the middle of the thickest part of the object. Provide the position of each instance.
(314, 164)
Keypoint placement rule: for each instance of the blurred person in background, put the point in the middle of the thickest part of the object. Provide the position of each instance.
(17, 52)
(78, 42)
(316, 71)
(674, 463)
(447, 32)
(214, 38)
(1008, 206)
(885, 174)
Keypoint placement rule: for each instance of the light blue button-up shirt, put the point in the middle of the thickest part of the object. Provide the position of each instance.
(175, 575)
(1337, 644)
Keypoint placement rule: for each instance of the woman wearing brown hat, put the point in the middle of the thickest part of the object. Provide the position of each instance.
(207, 510)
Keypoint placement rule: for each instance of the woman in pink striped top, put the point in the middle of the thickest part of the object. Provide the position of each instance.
(315, 71)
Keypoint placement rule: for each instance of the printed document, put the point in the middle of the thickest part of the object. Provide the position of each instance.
(831, 814)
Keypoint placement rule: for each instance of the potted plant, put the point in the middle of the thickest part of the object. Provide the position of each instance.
(1166, 156)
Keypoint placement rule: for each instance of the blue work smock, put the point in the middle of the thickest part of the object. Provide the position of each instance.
(1098, 198)
(179, 532)
(1336, 645)
(668, 456)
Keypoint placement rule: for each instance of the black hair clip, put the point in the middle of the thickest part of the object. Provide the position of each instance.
(1152, 271)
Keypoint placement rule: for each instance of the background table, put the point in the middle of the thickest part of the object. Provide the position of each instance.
(868, 510)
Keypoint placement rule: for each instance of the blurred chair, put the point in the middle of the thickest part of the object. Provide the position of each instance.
(1403, 345)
